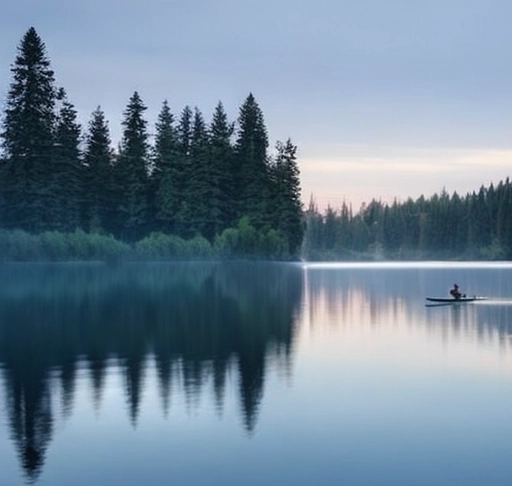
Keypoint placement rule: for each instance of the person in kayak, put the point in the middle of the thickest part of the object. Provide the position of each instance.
(455, 292)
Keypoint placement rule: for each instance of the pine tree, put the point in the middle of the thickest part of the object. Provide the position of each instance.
(330, 229)
(180, 177)
(131, 172)
(313, 239)
(28, 136)
(287, 207)
(67, 177)
(3, 171)
(171, 199)
(222, 202)
(184, 131)
(97, 210)
(505, 219)
(164, 153)
(200, 183)
(166, 141)
(252, 175)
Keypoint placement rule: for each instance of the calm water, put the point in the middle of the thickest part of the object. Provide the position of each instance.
(253, 374)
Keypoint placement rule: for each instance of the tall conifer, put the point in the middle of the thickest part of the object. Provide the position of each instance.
(161, 179)
(28, 136)
(222, 205)
(181, 175)
(97, 209)
(287, 204)
(131, 171)
(67, 176)
(252, 163)
(200, 183)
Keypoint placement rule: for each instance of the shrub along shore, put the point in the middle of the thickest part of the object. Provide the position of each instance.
(244, 241)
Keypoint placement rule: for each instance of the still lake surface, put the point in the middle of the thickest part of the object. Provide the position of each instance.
(254, 374)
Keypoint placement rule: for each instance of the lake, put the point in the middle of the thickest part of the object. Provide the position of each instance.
(254, 374)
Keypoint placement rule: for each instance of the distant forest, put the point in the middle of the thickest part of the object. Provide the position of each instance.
(189, 188)
(192, 189)
(476, 226)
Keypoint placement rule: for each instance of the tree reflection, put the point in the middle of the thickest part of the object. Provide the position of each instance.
(30, 418)
(198, 322)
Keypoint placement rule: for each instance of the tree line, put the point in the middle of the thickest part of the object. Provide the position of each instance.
(193, 179)
(193, 188)
(475, 226)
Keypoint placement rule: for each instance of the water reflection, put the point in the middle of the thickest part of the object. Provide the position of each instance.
(394, 296)
(181, 329)
(196, 321)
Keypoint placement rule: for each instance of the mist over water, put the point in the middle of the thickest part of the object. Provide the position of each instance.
(223, 373)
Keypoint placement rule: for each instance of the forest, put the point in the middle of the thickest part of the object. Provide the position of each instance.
(477, 226)
(186, 189)
(189, 188)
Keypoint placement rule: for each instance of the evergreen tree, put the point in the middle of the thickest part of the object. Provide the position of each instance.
(171, 199)
(98, 210)
(3, 171)
(313, 243)
(184, 131)
(252, 175)
(287, 207)
(330, 233)
(28, 136)
(166, 141)
(67, 177)
(200, 183)
(504, 217)
(131, 172)
(181, 176)
(345, 233)
(164, 155)
(394, 226)
(222, 202)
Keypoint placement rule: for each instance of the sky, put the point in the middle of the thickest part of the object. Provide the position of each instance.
(384, 99)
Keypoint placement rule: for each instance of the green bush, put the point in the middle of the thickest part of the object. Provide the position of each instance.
(495, 251)
(158, 246)
(106, 247)
(244, 241)
(226, 244)
(273, 245)
(199, 248)
(79, 244)
(54, 245)
(248, 238)
(19, 246)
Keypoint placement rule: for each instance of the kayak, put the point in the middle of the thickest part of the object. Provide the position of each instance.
(454, 301)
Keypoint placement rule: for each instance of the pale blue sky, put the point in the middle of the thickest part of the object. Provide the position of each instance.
(396, 98)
